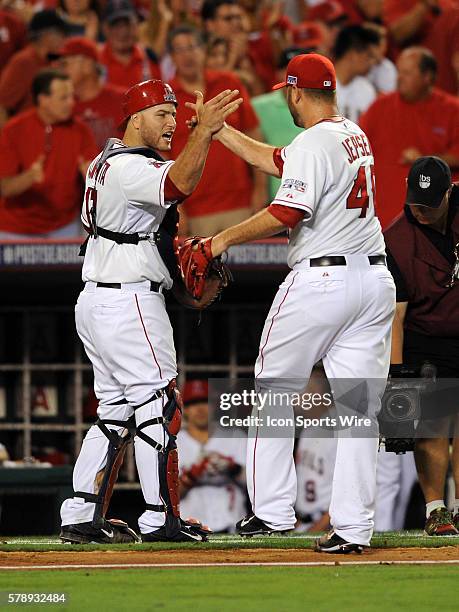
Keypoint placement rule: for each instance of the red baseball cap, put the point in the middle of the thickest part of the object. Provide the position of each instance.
(310, 71)
(328, 11)
(78, 45)
(308, 35)
(195, 391)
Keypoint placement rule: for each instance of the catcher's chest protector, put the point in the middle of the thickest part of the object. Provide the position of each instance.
(167, 231)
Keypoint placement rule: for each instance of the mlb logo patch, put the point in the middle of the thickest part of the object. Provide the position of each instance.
(424, 181)
(327, 83)
(292, 80)
(300, 186)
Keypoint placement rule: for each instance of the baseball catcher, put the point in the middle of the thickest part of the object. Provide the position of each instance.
(130, 214)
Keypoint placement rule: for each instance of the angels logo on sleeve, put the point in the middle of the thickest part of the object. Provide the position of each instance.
(156, 164)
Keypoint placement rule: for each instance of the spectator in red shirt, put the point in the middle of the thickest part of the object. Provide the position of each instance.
(97, 104)
(12, 36)
(433, 24)
(270, 31)
(125, 61)
(46, 33)
(416, 120)
(225, 193)
(43, 155)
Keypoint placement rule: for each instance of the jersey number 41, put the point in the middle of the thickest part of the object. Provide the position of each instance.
(363, 188)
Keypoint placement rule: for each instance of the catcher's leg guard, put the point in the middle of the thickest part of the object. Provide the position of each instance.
(167, 456)
(106, 478)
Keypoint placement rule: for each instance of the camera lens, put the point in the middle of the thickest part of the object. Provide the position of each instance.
(400, 406)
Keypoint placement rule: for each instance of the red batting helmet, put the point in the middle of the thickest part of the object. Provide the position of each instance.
(146, 94)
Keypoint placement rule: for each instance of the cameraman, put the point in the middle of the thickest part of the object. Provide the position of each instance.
(422, 246)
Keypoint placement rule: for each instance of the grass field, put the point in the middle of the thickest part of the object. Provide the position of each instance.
(246, 589)
(407, 539)
(337, 587)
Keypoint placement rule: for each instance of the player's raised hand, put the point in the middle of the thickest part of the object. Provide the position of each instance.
(212, 114)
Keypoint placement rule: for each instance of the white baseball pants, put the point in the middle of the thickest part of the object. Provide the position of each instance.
(342, 315)
(128, 337)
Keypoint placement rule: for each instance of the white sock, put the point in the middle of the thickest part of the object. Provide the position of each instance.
(456, 507)
(433, 505)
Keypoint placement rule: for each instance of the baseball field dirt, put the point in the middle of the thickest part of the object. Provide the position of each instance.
(254, 556)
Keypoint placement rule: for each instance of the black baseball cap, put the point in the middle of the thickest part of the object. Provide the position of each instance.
(428, 181)
(47, 19)
(119, 9)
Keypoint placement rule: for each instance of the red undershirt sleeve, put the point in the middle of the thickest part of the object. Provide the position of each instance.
(286, 215)
(277, 159)
(171, 192)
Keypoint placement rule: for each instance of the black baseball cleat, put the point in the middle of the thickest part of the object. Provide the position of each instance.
(251, 525)
(188, 532)
(111, 531)
(332, 543)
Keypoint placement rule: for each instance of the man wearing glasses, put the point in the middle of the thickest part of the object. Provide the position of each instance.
(423, 256)
(252, 44)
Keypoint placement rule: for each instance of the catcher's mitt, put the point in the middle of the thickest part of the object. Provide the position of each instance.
(203, 275)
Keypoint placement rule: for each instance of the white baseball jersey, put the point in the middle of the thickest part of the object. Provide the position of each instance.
(219, 507)
(315, 462)
(128, 193)
(328, 174)
(355, 97)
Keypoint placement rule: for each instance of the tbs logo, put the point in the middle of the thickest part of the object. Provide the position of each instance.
(424, 181)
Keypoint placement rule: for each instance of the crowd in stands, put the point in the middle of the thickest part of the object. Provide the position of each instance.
(66, 63)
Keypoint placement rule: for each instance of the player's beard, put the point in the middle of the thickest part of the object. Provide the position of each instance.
(152, 137)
